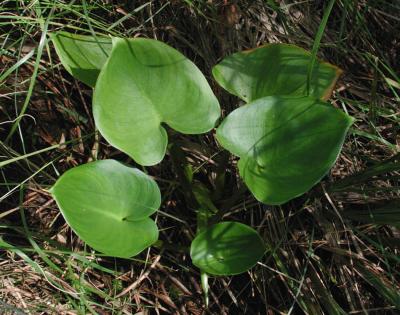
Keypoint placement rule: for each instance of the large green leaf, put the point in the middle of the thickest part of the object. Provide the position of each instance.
(286, 144)
(108, 206)
(274, 69)
(146, 83)
(83, 56)
(227, 248)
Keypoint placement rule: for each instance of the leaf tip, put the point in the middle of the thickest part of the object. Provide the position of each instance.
(338, 72)
(51, 190)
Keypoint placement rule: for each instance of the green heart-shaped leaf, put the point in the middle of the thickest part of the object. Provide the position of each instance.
(286, 144)
(82, 56)
(108, 206)
(274, 69)
(227, 248)
(146, 83)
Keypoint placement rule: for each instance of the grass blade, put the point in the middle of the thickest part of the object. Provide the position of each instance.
(317, 42)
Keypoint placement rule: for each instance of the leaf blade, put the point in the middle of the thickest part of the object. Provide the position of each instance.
(81, 55)
(274, 69)
(286, 144)
(146, 83)
(227, 248)
(108, 206)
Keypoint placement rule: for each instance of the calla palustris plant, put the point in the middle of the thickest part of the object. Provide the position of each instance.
(286, 141)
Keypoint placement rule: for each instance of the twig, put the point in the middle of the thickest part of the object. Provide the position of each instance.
(135, 284)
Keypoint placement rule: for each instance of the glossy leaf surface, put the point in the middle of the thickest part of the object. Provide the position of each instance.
(227, 248)
(146, 83)
(274, 69)
(82, 56)
(286, 145)
(108, 206)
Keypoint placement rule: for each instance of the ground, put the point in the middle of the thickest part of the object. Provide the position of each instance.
(333, 250)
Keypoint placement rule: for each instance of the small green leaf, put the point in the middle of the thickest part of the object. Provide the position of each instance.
(146, 83)
(274, 69)
(286, 144)
(108, 206)
(227, 248)
(82, 56)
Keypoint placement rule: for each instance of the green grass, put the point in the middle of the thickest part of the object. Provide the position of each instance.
(331, 251)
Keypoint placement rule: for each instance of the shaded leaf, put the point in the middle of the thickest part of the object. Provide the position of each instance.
(286, 144)
(146, 83)
(108, 206)
(82, 56)
(227, 248)
(274, 69)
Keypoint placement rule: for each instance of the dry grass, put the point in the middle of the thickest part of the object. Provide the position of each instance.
(332, 251)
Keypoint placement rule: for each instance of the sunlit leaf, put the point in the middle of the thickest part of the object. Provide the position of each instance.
(146, 83)
(286, 144)
(82, 56)
(108, 206)
(227, 248)
(274, 69)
